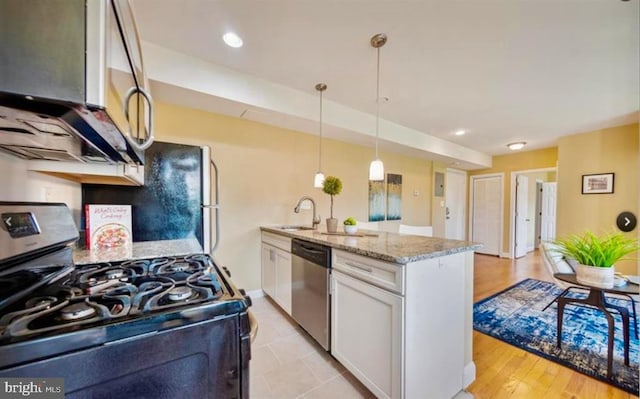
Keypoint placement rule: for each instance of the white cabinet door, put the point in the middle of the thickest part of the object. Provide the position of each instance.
(269, 270)
(366, 333)
(283, 280)
(276, 269)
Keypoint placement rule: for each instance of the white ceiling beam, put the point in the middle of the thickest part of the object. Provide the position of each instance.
(182, 71)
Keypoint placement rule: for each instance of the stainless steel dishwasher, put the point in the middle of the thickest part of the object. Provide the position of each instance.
(310, 307)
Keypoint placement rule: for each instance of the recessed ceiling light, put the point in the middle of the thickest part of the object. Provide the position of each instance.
(232, 40)
(460, 132)
(516, 146)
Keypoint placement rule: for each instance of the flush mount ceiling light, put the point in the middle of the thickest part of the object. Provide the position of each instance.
(460, 132)
(319, 177)
(517, 145)
(232, 40)
(376, 169)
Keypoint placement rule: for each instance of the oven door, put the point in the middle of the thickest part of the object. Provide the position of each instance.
(201, 360)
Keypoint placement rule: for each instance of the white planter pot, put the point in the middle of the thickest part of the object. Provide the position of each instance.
(601, 277)
(349, 229)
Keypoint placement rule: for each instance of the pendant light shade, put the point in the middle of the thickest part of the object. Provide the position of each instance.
(318, 179)
(376, 169)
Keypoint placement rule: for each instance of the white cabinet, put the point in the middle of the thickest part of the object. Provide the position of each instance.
(283, 280)
(400, 329)
(269, 270)
(366, 333)
(276, 269)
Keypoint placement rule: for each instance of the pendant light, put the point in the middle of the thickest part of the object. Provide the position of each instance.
(376, 169)
(319, 177)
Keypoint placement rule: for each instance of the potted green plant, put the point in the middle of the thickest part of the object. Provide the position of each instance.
(332, 186)
(596, 255)
(350, 225)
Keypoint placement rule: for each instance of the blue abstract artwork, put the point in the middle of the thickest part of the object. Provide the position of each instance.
(376, 201)
(394, 197)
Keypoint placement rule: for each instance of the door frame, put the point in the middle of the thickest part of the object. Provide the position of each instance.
(472, 181)
(538, 214)
(463, 198)
(512, 204)
(524, 202)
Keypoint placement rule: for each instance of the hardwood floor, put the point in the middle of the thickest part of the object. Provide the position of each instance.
(504, 371)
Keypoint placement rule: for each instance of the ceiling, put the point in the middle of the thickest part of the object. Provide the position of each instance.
(503, 70)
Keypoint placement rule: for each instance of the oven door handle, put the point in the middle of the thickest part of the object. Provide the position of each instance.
(253, 326)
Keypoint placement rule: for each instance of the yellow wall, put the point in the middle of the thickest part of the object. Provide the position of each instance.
(603, 151)
(526, 160)
(265, 169)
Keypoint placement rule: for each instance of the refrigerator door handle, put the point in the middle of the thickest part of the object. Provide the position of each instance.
(210, 184)
(216, 204)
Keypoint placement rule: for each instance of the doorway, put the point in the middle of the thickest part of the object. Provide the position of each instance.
(485, 219)
(529, 191)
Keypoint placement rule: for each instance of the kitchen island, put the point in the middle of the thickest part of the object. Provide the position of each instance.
(401, 307)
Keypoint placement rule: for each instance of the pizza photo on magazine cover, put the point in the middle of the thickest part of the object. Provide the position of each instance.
(110, 235)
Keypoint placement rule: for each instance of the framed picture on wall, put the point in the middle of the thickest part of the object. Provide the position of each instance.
(597, 184)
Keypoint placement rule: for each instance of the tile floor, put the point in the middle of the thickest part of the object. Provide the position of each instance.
(287, 363)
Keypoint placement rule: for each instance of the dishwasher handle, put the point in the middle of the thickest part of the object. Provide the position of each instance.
(312, 252)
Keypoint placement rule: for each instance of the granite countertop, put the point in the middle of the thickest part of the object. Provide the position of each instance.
(390, 247)
(139, 250)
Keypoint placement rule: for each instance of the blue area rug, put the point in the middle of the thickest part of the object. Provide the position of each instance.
(515, 316)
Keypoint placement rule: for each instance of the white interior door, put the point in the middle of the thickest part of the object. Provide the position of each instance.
(455, 193)
(538, 214)
(486, 218)
(548, 217)
(522, 207)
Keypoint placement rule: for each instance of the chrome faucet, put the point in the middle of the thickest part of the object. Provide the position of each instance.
(316, 219)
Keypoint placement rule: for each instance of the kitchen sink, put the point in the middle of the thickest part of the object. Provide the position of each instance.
(293, 228)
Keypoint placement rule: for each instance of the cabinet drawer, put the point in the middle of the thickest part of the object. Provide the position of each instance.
(277, 241)
(389, 276)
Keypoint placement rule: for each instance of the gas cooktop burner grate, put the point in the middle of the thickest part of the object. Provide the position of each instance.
(99, 293)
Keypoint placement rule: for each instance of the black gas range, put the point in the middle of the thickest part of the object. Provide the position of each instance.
(168, 327)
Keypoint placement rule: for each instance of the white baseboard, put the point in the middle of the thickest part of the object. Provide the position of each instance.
(469, 374)
(505, 255)
(256, 293)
